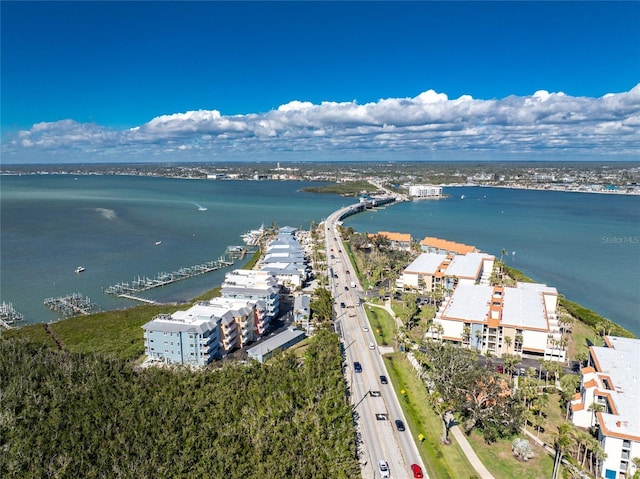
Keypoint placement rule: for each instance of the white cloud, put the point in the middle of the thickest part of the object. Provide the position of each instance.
(544, 123)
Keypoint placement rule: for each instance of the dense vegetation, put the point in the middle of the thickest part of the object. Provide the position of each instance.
(593, 319)
(350, 188)
(65, 414)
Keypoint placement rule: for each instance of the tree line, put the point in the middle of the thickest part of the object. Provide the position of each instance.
(65, 414)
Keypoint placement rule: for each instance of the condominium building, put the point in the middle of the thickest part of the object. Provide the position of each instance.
(238, 320)
(432, 270)
(397, 241)
(257, 286)
(185, 337)
(437, 245)
(609, 399)
(425, 191)
(502, 320)
(285, 259)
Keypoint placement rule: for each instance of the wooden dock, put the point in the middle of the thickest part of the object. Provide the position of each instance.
(71, 305)
(162, 279)
(9, 315)
(138, 298)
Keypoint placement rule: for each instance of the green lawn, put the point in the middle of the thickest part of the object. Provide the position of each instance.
(382, 324)
(499, 460)
(441, 461)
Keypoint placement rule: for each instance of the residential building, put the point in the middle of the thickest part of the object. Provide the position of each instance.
(437, 245)
(238, 321)
(302, 312)
(397, 241)
(265, 350)
(482, 317)
(184, 337)
(425, 191)
(257, 286)
(609, 399)
(286, 260)
(430, 271)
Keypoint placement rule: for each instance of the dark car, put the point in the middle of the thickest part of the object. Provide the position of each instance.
(342, 305)
(383, 380)
(346, 288)
(357, 367)
(399, 425)
(417, 471)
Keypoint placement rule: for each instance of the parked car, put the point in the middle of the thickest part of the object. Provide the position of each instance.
(399, 425)
(417, 471)
(383, 380)
(383, 468)
(500, 368)
(357, 367)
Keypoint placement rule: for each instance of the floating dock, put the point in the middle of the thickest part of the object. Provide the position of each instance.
(71, 305)
(129, 290)
(9, 315)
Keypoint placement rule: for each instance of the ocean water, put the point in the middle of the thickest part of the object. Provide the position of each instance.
(51, 224)
(586, 245)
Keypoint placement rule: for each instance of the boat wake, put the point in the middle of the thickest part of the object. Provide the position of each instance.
(200, 207)
(107, 213)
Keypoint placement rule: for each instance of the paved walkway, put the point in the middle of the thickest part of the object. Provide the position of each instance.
(459, 436)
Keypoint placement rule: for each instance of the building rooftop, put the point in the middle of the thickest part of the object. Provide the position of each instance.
(274, 342)
(391, 236)
(524, 308)
(446, 245)
(467, 265)
(620, 362)
(426, 263)
(469, 302)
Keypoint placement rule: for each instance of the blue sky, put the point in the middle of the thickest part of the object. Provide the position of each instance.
(165, 81)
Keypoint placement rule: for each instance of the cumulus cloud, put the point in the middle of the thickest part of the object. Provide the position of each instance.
(544, 123)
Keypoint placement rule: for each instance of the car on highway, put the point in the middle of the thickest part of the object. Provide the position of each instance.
(383, 380)
(399, 425)
(365, 329)
(371, 345)
(383, 468)
(348, 272)
(342, 305)
(417, 471)
(346, 288)
(357, 367)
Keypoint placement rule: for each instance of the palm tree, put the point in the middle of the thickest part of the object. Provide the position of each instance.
(508, 342)
(562, 441)
(595, 408)
(636, 466)
(478, 338)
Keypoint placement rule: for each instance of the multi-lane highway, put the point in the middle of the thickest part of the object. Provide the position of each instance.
(375, 403)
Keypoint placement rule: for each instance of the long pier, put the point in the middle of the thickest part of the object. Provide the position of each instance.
(9, 315)
(71, 305)
(162, 279)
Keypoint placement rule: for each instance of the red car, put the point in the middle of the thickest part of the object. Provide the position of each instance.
(417, 471)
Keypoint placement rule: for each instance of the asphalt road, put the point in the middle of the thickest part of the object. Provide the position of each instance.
(376, 405)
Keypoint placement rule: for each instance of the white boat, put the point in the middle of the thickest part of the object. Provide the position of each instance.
(158, 242)
(79, 269)
(462, 197)
(252, 237)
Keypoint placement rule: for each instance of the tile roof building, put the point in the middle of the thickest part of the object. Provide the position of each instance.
(609, 399)
(398, 241)
(482, 316)
(437, 245)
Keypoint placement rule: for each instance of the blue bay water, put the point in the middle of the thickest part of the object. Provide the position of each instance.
(51, 224)
(586, 245)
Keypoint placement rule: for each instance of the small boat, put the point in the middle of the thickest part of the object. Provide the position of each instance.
(202, 208)
(158, 242)
(462, 197)
(79, 269)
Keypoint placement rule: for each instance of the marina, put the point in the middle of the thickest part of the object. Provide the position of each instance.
(129, 290)
(71, 305)
(9, 315)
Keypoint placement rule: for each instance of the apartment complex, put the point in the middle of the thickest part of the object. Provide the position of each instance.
(429, 271)
(425, 191)
(397, 241)
(431, 244)
(286, 260)
(609, 399)
(502, 320)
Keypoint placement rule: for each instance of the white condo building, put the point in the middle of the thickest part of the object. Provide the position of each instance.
(609, 398)
(481, 316)
(425, 191)
(430, 270)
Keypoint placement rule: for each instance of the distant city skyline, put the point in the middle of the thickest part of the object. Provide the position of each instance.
(295, 81)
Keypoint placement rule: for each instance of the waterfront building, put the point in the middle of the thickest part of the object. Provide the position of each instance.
(430, 271)
(185, 337)
(286, 260)
(397, 241)
(302, 312)
(481, 317)
(238, 320)
(425, 191)
(609, 398)
(437, 245)
(265, 350)
(257, 286)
